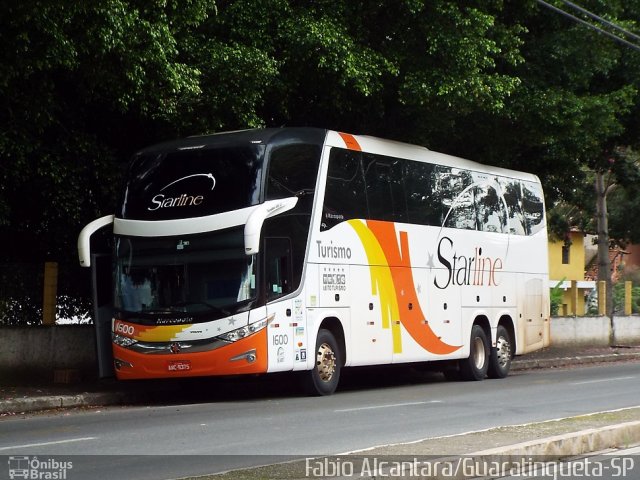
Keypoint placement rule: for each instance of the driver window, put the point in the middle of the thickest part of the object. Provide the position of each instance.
(278, 267)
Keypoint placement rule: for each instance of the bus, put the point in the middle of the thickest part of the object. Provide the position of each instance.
(309, 250)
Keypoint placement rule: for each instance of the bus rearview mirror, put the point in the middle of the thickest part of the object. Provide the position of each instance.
(253, 227)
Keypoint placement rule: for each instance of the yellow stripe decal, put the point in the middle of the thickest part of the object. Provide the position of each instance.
(381, 282)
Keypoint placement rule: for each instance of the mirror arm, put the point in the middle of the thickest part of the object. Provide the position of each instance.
(253, 227)
(84, 239)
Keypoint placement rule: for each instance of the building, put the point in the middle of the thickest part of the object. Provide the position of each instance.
(567, 262)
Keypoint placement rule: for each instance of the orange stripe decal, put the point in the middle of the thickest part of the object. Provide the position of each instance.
(392, 280)
(413, 319)
(350, 141)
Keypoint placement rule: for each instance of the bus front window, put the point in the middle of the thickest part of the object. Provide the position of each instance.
(199, 274)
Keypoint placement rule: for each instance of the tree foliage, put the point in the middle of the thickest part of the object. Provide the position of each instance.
(84, 84)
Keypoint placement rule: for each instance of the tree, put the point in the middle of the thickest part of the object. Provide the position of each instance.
(84, 85)
(608, 75)
(81, 86)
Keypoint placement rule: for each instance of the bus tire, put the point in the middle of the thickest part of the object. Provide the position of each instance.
(475, 367)
(500, 359)
(323, 378)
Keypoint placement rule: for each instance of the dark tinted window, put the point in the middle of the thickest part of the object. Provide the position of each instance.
(512, 191)
(454, 189)
(424, 207)
(385, 190)
(278, 267)
(533, 207)
(345, 195)
(490, 209)
(293, 170)
(295, 229)
(192, 183)
(396, 190)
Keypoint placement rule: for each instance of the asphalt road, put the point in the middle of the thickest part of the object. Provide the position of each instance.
(214, 426)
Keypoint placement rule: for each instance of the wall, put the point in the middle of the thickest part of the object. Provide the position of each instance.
(33, 353)
(28, 353)
(580, 331)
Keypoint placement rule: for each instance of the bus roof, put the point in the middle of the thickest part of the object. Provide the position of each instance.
(256, 136)
(393, 148)
(332, 138)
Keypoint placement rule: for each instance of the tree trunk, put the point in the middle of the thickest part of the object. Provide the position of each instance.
(604, 262)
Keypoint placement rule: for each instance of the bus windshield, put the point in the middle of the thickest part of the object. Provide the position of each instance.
(165, 185)
(189, 275)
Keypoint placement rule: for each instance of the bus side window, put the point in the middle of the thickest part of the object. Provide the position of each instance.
(424, 206)
(293, 170)
(533, 207)
(345, 196)
(385, 188)
(453, 188)
(492, 216)
(513, 196)
(278, 267)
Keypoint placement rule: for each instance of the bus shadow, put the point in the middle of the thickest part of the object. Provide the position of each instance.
(272, 386)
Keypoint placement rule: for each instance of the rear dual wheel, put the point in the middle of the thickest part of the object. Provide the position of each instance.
(483, 360)
(476, 366)
(501, 355)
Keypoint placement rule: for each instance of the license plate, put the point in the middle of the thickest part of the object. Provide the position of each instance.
(179, 365)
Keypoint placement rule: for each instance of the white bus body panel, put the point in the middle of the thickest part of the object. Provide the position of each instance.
(448, 302)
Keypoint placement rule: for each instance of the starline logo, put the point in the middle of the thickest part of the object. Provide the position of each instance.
(183, 200)
(465, 270)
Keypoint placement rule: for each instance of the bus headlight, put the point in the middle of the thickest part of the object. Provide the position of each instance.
(240, 333)
(123, 341)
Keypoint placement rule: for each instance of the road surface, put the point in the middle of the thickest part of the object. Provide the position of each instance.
(219, 425)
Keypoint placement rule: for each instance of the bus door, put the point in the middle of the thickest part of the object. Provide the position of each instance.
(287, 320)
(534, 317)
(102, 293)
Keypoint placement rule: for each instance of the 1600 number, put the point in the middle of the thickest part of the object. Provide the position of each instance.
(281, 339)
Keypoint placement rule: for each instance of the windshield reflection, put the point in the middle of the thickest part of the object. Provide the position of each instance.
(197, 274)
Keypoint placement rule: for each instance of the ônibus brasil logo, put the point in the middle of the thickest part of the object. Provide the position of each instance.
(35, 468)
(183, 200)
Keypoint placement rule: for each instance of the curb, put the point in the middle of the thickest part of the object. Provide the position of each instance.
(16, 406)
(533, 363)
(572, 444)
(550, 449)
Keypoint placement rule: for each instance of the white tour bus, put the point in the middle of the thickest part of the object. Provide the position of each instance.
(301, 249)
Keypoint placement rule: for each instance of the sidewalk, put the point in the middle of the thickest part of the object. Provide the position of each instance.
(584, 442)
(30, 398)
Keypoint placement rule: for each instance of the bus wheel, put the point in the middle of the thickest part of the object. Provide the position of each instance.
(323, 378)
(475, 367)
(500, 359)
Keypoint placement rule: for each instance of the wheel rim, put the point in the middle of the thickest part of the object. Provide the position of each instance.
(325, 362)
(503, 352)
(479, 354)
